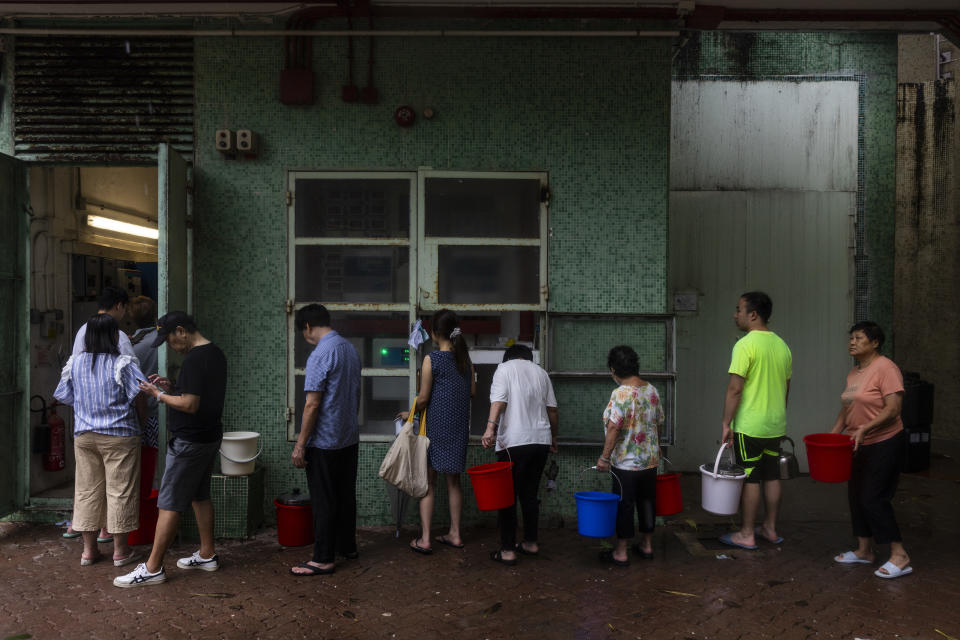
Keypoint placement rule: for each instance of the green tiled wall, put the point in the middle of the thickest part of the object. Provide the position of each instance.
(870, 56)
(592, 112)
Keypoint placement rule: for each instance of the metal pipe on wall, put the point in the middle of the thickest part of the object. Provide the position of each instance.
(268, 33)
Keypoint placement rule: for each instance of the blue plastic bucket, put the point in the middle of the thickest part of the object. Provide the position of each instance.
(596, 513)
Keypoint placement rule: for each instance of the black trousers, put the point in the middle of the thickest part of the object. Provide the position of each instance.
(528, 463)
(640, 494)
(873, 481)
(332, 479)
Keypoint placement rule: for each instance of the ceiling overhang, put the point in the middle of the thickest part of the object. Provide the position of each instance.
(791, 15)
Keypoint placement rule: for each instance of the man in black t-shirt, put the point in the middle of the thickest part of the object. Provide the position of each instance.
(195, 406)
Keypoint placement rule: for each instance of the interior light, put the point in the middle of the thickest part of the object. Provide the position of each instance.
(110, 224)
(383, 352)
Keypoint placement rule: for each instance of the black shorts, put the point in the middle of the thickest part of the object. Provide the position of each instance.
(186, 478)
(759, 457)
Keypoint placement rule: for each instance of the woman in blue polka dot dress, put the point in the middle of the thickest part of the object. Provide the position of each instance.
(446, 385)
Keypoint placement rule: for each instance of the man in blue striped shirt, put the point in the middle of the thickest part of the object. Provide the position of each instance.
(328, 444)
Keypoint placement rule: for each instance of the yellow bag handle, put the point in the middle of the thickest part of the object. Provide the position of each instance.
(423, 418)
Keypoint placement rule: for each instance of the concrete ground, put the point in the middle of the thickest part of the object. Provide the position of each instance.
(694, 588)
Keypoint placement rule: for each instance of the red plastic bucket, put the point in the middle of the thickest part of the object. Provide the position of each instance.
(492, 485)
(669, 499)
(830, 456)
(148, 521)
(294, 524)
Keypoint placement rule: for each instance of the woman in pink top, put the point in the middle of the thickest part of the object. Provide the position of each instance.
(870, 415)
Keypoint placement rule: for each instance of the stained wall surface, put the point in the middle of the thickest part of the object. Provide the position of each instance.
(592, 112)
(928, 234)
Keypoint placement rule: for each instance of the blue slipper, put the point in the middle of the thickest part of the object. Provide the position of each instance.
(727, 539)
(758, 533)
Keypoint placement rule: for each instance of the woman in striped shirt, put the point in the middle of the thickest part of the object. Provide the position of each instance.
(102, 387)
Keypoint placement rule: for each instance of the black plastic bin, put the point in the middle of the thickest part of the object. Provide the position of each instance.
(917, 416)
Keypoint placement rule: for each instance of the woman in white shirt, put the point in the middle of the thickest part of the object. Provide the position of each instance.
(523, 422)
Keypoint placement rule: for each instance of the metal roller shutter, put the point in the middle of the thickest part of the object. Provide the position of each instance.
(103, 99)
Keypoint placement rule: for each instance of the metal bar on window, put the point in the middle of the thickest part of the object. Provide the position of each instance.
(352, 242)
(469, 241)
(355, 306)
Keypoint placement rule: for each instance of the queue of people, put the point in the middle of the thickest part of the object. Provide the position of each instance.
(115, 395)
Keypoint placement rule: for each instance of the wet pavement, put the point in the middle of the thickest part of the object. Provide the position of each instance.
(693, 588)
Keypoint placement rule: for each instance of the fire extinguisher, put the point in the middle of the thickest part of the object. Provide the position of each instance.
(55, 457)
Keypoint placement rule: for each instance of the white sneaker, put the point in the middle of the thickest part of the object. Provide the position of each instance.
(140, 577)
(196, 562)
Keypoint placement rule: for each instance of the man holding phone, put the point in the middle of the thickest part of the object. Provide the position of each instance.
(195, 406)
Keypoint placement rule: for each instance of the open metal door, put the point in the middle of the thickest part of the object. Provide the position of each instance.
(172, 253)
(14, 334)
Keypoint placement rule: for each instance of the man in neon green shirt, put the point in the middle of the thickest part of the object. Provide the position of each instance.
(755, 416)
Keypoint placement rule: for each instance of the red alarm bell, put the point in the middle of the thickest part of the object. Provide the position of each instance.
(404, 116)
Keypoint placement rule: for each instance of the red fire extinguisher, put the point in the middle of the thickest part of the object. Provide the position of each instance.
(55, 457)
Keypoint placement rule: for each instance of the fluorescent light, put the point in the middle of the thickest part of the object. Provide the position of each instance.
(122, 227)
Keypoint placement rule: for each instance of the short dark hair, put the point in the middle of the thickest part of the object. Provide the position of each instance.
(624, 361)
(518, 352)
(111, 297)
(760, 302)
(870, 329)
(143, 311)
(315, 315)
(102, 336)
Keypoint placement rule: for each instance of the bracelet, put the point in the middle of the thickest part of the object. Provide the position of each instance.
(602, 459)
(493, 422)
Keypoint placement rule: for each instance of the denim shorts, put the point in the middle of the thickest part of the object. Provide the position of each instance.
(186, 478)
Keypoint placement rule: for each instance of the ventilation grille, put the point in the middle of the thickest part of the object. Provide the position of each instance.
(80, 99)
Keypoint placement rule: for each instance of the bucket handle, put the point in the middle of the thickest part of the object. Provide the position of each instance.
(716, 464)
(255, 456)
(620, 497)
(793, 447)
(503, 447)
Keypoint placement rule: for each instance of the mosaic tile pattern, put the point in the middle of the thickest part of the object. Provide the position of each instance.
(237, 506)
(583, 343)
(872, 57)
(604, 144)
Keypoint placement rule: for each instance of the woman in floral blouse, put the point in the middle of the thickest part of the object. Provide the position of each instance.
(631, 450)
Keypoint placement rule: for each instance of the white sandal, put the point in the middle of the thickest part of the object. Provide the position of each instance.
(849, 557)
(892, 571)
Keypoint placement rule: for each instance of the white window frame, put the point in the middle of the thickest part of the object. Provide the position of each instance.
(428, 264)
(294, 304)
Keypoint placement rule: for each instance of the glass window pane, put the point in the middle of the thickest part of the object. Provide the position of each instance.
(353, 274)
(355, 208)
(489, 275)
(380, 338)
(482, 208)
(380, 400)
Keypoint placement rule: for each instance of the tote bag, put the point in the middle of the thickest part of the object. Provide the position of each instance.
(405, 465)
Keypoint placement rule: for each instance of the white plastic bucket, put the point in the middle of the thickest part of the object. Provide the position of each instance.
(720, 494)
(239, 452)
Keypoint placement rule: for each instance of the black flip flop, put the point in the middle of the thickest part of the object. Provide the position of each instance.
(416, 548)
(519, 549)
(314, 571)
(497, 556)
(445, 540)
(640, 552)
(607, 556)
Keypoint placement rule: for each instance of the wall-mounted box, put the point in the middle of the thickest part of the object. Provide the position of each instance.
(224, 140)
(246, 141)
